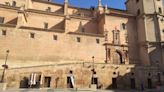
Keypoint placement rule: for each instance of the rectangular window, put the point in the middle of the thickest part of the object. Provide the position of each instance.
(7, 3)
(1, 19)
(48, 9)
(45, 25)
(160, 10)
(14, 3)
(123, 26)
(138, 12)
(116, 36)
(83, 30)
(4, 32)
(55, 37)
(97, 41)
(78, 39)
(32, 35)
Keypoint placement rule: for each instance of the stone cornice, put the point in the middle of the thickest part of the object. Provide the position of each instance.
(7, 25)
(9, 7)
(46, 2)
(86, 34)
(80, 17)
(120, 45)
(44, 12)
(42, 29)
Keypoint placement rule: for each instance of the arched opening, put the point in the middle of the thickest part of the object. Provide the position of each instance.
(118, 57)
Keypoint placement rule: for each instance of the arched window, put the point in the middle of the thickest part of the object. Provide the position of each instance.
(14, 3)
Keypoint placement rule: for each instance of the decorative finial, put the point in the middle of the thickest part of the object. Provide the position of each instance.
(106, 8)
(99, 3)
(65, 1)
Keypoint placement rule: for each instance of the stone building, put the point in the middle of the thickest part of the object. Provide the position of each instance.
(50, 44)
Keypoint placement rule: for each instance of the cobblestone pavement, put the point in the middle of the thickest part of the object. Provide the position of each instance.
(69, 90)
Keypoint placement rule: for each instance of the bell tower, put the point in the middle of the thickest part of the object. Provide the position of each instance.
(149, 28)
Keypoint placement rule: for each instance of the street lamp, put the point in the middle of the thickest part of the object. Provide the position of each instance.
(93, 62)
(93, 71)
(5, 66)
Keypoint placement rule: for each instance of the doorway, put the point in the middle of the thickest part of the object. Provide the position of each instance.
(24, 83)
(94, 80)
(132, 82)
(114, 83)
(69, 82)
(149, 80)
(47, 82)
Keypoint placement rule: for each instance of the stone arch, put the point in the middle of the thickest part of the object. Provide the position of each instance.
(119, 57)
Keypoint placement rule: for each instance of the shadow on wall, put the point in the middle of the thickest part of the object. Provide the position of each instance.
(13, 21)
(140, 78)
(60, 25)
(88, 27)
(128, 81)
(59, 11)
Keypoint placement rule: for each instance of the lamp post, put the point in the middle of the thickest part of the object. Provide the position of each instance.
(93, 63)
(93, 70)
(5, 66)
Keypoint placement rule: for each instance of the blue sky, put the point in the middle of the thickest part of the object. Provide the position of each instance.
(119, 4)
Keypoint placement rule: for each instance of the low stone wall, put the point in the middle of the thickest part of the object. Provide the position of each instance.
(82, 72)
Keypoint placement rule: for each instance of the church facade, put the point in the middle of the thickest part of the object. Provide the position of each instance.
(44, 44)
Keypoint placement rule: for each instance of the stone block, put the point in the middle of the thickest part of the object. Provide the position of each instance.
(93, 87)
(3, 86)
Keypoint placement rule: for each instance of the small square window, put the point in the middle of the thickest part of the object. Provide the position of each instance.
(123, 26)
(138, 12)
(4, 32)
(32, 35)
(55, 37)
(7, 3)
(1, 19)
(83, 30)
(48, 9)
(45, 25)
(78, 39)
(14, 3)
(97, 41)
(160, 10)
